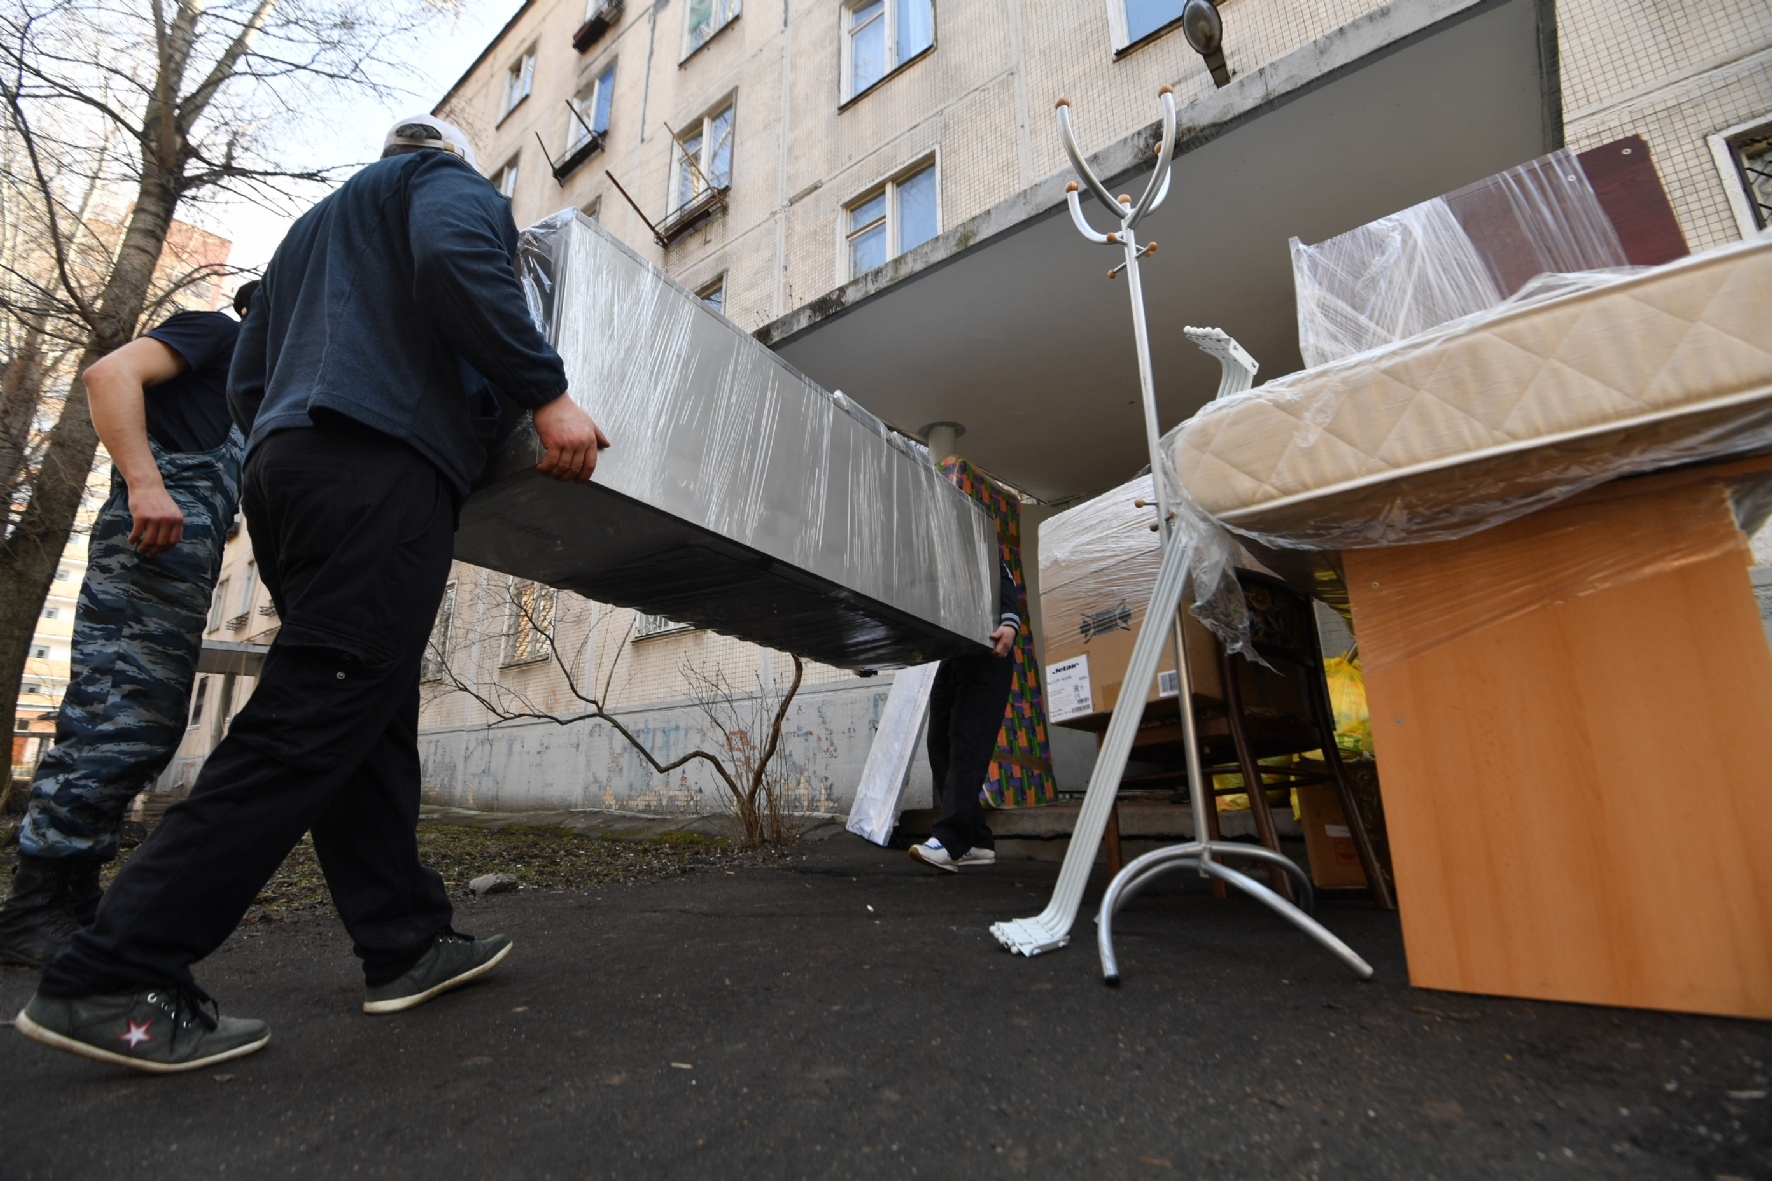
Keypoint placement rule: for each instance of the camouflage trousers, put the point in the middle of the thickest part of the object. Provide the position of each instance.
(138, 631)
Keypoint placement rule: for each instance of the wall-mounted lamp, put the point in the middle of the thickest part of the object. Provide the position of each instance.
(1204, 30)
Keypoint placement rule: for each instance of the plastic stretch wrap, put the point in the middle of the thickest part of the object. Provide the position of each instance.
(1098, 570)
(1402, 275)
(736, 495)
(1578, 381)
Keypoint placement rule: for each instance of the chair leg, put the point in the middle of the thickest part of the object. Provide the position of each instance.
(1219, 890)
(1344, 791)
(1253, 784)
(1110, 840)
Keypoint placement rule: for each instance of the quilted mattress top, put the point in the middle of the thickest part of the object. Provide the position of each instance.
(1492, 416)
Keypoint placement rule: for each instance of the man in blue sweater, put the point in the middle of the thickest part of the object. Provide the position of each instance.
(364, 382)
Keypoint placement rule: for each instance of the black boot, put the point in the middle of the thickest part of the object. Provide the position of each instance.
(83, 889)
(35, 921)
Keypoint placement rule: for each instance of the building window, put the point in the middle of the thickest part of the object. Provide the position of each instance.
(518, 82)
(52, 612)
(880, 36)
(218, 606)
(1744, 156)
(529, 626)
(704, 158)
(594, 209)
(28, 687)
(62, 575)
(40, 652)
(707, 17)
(592, 105)
(714, 294)
(647, 626)
(197, 701)
(436, 661)
(1133, 20)
(248, 589)
(505, 180)
(900, 215)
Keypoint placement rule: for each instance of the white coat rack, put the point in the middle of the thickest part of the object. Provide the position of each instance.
(1050, 929)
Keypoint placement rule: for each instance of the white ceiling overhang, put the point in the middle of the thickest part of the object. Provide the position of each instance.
(1009, 325)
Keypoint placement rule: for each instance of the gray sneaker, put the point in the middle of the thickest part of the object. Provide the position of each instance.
(454, 959)
(159, 1030)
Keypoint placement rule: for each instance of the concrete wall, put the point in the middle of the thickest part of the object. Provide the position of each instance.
(534, 765)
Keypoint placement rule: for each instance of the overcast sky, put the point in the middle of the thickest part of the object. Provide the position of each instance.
(355, 131)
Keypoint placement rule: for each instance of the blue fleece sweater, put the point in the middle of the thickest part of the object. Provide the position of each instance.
(394, 302)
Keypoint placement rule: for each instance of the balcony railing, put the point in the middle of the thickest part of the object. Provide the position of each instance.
(597, 22)
(584, 150)
(692, 213)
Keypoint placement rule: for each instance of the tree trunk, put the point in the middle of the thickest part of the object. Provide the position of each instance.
(29, 556)
(22, 382)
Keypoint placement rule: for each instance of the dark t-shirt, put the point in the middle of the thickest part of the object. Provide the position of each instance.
(190, 412)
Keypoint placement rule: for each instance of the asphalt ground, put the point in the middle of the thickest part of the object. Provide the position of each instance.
(844, 1012)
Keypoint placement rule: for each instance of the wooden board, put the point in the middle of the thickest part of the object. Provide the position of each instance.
(1579, 794)
(1624, 181)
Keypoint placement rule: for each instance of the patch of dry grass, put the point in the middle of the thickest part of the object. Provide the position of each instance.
(541, 857)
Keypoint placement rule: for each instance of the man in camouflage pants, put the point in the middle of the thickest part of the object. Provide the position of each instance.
(159, 404)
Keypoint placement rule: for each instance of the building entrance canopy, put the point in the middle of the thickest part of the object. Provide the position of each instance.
(1009, 324)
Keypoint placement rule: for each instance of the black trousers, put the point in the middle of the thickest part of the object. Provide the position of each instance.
(966, 707)
(353, 533)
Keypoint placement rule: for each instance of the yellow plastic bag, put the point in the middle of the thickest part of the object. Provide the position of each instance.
(1239, 801)
(1347, 698)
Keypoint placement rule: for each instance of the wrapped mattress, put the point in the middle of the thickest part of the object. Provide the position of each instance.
(737, 495)
(1578, 380)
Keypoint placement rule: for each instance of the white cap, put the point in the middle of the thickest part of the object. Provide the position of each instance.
(428, 131)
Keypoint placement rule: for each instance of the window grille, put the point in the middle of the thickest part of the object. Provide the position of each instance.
(1753, 158)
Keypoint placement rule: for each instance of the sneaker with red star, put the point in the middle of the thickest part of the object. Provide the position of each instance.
(158, 1030)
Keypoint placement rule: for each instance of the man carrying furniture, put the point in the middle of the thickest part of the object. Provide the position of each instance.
(966, 707)
(160, 407)
(362, 378)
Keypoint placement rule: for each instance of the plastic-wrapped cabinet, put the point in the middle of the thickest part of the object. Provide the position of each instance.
(736, 495)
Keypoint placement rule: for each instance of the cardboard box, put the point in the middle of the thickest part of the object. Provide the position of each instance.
(1098, 566)
(1335, 862)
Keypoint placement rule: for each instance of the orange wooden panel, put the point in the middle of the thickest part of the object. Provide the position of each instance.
(1579, 795)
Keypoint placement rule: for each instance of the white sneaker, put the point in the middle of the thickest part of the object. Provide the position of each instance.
(930, 852)
(978, 856)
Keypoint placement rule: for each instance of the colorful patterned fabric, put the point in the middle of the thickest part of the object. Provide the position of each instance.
(1021, 773)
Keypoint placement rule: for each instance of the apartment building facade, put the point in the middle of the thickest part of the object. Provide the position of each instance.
(875, 188)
